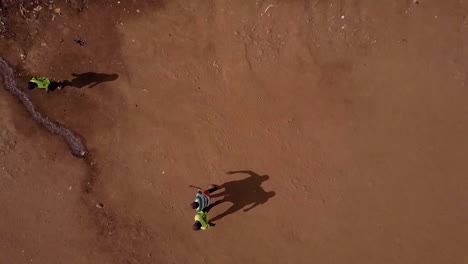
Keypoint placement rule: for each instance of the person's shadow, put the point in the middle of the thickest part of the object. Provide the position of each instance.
(242, 193)
(88, 78)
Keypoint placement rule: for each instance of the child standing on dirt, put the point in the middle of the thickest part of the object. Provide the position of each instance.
(202, 206)
(202, 198)
(201, 221)
(44, 83)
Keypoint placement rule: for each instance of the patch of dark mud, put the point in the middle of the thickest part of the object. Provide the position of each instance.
(125, 239)
(78, 5)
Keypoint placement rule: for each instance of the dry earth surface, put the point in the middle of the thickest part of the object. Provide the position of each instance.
(355, 109)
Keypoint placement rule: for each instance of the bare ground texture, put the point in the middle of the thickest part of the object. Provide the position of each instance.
(344, 124)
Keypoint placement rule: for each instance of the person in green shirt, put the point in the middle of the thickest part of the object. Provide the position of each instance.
(44, 83)
(202, 221)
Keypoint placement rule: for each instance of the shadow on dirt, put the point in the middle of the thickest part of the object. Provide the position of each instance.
(242, 193)
(89, 78)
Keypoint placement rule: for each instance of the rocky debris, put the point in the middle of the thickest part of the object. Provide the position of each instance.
(80, 41)
(3, 28)
(79, 5)
(16, 12)
(3, 24)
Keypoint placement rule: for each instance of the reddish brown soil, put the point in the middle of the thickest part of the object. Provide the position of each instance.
(360, 121)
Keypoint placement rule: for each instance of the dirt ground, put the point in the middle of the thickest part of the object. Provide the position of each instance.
(355, 109)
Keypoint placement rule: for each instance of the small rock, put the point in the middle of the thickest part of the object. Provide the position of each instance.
(99, 205)
(43, 44)
(58, 11)
(79, 41)
(342, 17)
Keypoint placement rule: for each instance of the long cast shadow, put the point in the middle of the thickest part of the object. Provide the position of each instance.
(89, 78)
(242, 193)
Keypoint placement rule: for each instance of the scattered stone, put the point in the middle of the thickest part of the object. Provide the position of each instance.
(80, 41)
(43, 44)
(3, 28)
(100, 205)
(268, 7)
